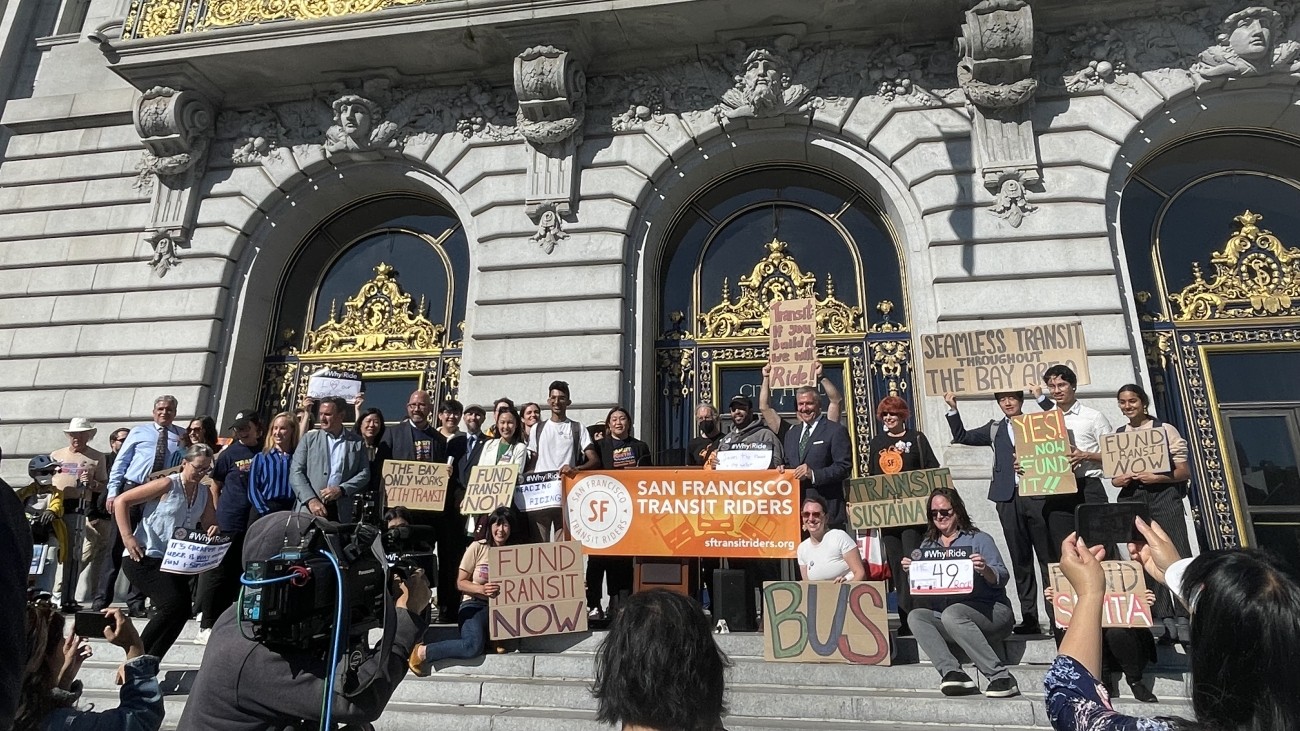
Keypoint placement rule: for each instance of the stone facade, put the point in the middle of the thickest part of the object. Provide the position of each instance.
(563, 147)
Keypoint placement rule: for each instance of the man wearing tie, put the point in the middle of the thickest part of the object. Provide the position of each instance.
(144, 452)
(819, 451)
(1022, 519)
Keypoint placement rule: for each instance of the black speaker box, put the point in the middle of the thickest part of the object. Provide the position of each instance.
(731, 600)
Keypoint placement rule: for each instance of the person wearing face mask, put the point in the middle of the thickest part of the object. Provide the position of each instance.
(971, 621)
(899, 449)
(700, 451)
(619, 450)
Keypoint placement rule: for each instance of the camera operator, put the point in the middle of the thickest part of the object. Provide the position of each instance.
(244, 685)
(403, 537)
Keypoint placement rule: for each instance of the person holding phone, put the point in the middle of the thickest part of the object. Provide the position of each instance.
(1163, 495)
(972, 621)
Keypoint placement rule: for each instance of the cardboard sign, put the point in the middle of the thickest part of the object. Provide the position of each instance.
(745, 459)
(942, 572)
(539, 490)
(1006, 359)
(1135, 450)
(1125, 604)
(490, 487)
(192, 552)
(328, 382)
(825, 621)
(793, 346)
(168, 472)
(684, 513)
(887, 501)
(542, 590)
(43, 555)
(70, 472)
(416, 485)
(1043, 453)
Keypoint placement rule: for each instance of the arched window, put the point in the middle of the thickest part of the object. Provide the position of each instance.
(378, 289)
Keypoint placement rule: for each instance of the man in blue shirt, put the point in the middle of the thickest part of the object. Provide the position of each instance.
(219, 587)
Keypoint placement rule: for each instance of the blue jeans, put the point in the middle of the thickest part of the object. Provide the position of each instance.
(473, 619)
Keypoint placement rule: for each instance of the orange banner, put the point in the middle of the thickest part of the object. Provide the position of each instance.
(684, 513)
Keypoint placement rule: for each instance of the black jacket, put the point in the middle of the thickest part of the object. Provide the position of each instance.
(993, 434)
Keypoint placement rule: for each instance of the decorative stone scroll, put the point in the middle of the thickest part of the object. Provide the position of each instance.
(995, 71)
(176, 128)
(552, 91)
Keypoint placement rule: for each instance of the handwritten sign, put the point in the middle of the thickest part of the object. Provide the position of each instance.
(887, 501)
(793, 351)
(745, 459)
(42, 555)
(1006, 359)
(166, 472)
(1125, 604)
(825, 621)
(490, 487)
(70, 473)
(539, 490)
(1043, 453)
(942, 572)
(416, 485)
(191, 552)
(1135, 450)
(328, 382)
(542, 590)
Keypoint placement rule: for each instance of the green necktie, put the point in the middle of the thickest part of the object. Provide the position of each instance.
(803, 440)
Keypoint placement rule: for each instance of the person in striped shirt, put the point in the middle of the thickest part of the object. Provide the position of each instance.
(268, 479)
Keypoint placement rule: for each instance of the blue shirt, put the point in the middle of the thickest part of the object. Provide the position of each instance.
(169, 511)
(984, 592)
(231, 470)
(338, 449)
(134, 462)
(268, 479)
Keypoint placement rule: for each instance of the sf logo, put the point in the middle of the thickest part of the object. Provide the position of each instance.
(599, 512)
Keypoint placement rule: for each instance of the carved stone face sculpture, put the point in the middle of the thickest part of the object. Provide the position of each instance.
(763, 84)
(354, 117)
(1251, 38)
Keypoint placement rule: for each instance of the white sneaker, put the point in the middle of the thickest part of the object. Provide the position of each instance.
(202, 637)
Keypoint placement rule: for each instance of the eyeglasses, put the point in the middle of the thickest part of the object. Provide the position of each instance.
(891, 413)
(194, 430)
(812, 515)
(941, 513)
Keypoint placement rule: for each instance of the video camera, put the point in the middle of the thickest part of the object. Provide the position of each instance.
(408, 549)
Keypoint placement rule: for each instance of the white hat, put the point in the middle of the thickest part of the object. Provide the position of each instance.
(79, 425)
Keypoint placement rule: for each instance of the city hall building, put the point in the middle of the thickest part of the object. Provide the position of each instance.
(218, 198)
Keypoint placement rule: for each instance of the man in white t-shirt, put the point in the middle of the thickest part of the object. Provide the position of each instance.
(558, 444)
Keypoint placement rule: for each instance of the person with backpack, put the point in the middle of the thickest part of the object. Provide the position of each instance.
(558, 444)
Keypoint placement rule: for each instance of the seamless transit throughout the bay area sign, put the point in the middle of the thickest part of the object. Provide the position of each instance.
(684, 512)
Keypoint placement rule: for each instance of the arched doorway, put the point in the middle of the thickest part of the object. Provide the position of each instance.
(1206, 224)
(377, 289)
(778, 233)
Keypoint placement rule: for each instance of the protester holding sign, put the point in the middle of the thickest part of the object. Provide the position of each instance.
(476, 588)
(558, 444)
(821, 454)
(1163, 494)
(619, 450)
(827, 554)
(899, 449)
(82, 477)
(779, 426)
(179, 500)
(972, 621)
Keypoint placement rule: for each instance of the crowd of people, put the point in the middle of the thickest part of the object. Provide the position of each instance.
(94, 514)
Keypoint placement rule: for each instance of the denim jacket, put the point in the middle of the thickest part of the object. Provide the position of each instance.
(140, 709)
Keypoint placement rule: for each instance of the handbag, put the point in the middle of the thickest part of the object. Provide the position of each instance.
(872, 549)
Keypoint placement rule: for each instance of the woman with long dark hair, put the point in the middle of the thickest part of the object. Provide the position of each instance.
(971, 621)
(1245, 625)
(618, 450)
(827, 554)
(370, 425)
(899, 448)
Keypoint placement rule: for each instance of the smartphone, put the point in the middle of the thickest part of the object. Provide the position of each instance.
(1109, 523)
(91, 624)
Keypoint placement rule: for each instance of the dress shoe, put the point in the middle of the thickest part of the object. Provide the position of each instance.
(137, 611)
(1028, 627)
(1141, 692)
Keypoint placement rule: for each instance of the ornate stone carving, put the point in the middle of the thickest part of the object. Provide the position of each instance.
(1254, 276)
(550, 228)
(359, 127)
(1249, 43)
(776, 276)
(996, 73)
(175, 128)
(154, 18)
(765, 86)
(378, 319)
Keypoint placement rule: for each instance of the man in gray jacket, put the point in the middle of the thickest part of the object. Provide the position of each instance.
(749, 432)
(330, 466)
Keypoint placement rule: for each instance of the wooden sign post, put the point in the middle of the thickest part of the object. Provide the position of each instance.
(1125, 604)
(490, 487)
(416, 485)
(1043, 452)
(887, 501)
(1005, 359)
(825, 621)
(542, 590)
(793, 347)
(1135, 450)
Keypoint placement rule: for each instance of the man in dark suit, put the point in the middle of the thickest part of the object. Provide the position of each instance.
(464, 448)
(819, 451)
(1022, 519)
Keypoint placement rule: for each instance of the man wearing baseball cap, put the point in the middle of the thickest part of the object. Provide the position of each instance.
(83, 476)
(749, 432)
(219, 587)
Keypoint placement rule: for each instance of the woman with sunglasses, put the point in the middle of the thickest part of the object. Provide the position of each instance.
(972, 621)
(826, 555)
(178, 500)
(899, 449)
